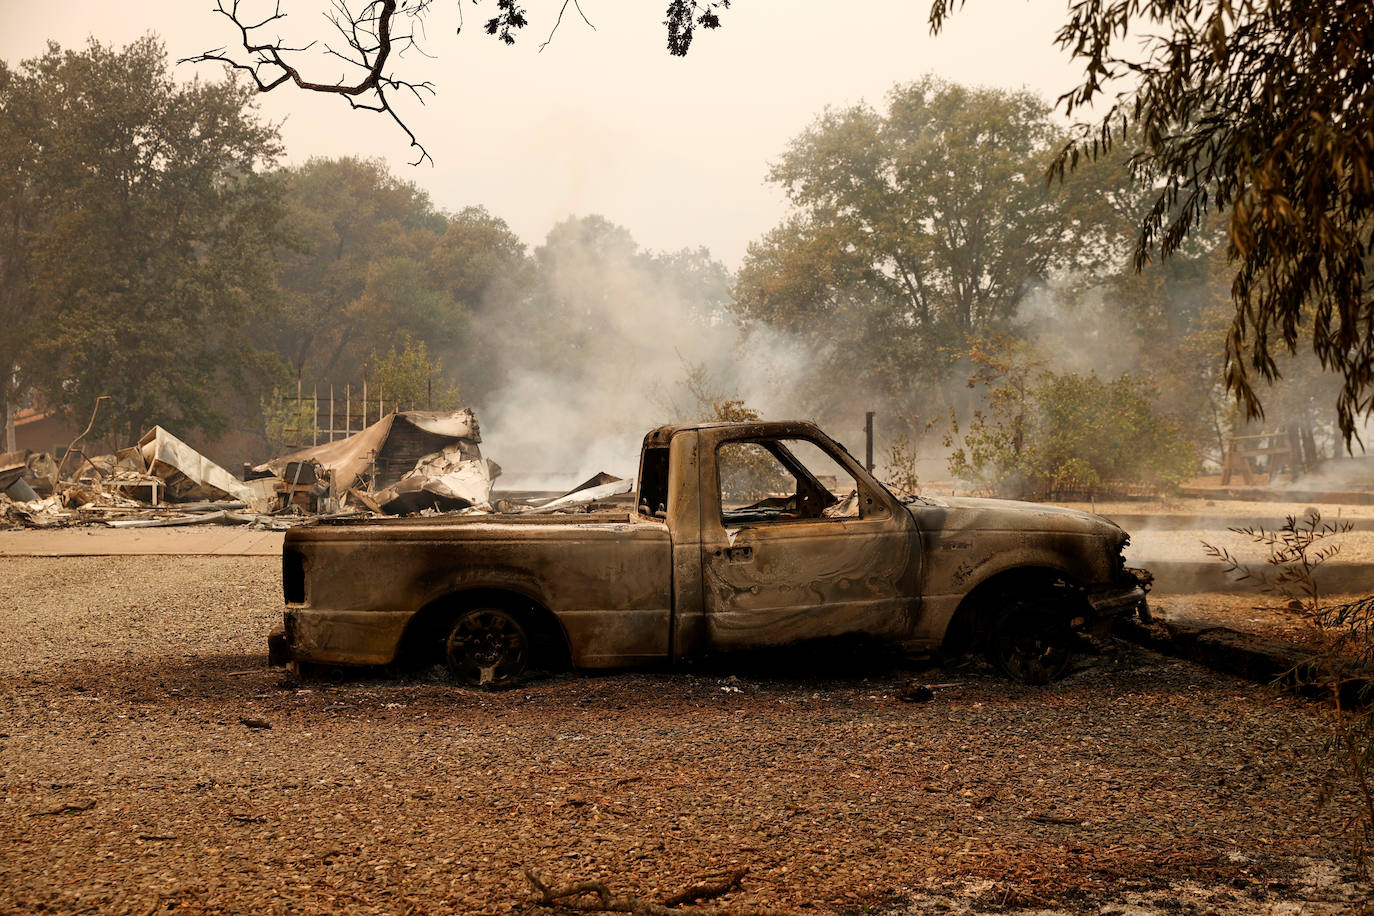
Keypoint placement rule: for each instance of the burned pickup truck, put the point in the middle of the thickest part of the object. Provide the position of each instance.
(741, 535)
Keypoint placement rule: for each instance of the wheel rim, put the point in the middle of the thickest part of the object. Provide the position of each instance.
(487, 647)
(1033, 648)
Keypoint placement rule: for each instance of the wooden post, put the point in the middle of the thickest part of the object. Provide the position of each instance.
(315, 419)
(331, 411)
(348, 409)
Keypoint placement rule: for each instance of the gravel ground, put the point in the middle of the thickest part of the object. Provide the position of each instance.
(150, 763)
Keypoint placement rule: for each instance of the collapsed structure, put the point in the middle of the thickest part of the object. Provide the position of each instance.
(413, 461)
(407, 461)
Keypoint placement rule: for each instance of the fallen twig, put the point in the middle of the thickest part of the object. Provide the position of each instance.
(1052, 819)
(65, 809)
(707, 891)
(569, 898)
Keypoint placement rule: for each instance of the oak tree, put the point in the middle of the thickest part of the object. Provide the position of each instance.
(918, 226)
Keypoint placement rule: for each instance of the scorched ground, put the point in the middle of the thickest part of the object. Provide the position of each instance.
(137, 775)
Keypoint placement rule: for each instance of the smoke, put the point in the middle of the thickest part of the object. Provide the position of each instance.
(610, 341)
(1084, 336)
(614, 342)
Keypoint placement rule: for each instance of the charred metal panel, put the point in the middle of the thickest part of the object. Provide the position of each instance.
(792, 581)
(607, 581)
(786, 581)
(968, 541)
(684, 520)
(348, 637)
(406, 444)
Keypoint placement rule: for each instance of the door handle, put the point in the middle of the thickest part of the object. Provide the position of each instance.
(739, 554)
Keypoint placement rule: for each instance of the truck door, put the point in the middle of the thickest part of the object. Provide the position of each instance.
(799, 543)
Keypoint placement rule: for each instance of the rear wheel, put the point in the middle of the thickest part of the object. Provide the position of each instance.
(1030, 641)
(487, 647)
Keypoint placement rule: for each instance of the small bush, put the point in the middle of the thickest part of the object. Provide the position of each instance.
(1065, 434)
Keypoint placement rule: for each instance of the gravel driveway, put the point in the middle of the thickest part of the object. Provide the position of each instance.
(150, 763)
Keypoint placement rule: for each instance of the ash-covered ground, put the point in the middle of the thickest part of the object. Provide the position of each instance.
(151, 763)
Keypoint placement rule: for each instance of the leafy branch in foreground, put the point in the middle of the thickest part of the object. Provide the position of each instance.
(1295, 550)
(1262, 110)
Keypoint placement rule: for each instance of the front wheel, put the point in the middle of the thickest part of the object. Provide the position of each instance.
(1030, 641)
(487, 647)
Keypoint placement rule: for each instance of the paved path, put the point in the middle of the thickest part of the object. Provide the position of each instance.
(206, 540)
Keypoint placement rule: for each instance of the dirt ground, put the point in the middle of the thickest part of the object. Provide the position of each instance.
(1167, 536)
(150, 763)
(1248, 611)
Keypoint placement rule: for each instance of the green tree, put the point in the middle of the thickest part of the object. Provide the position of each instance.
(918, 226)
(358, 275)
(1166, 324)
(21, 217)
(140, 222)
(483, 268)
(409, 377)
(1260, 109)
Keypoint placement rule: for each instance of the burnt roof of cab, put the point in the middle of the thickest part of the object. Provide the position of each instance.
(658, 438)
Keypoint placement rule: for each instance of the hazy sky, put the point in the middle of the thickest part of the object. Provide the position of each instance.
(605, 121)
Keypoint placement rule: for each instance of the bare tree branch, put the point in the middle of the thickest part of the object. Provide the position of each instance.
(368, 32)
(373, 30)
(561, 10)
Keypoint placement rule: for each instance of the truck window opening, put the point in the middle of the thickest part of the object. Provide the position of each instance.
(780, 480)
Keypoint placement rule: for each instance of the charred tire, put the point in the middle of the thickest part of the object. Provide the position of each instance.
(1029, 641)
(487, 647)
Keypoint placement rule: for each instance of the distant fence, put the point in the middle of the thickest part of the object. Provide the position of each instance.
(327, 413)
(1268, 455)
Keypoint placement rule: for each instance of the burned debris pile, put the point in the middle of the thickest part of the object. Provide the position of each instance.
(160, 480)
(408, 462)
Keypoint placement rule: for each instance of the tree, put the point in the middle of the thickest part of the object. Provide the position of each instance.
(357, 275)
(916, 227)
(482, 266)
(1176, 314)
(140, 221)
(1261, 109)
(377, 28)
(20, 218)
(409, 377)
(597, 292)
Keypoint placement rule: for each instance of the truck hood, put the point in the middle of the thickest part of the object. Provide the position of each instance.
(949, 516)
